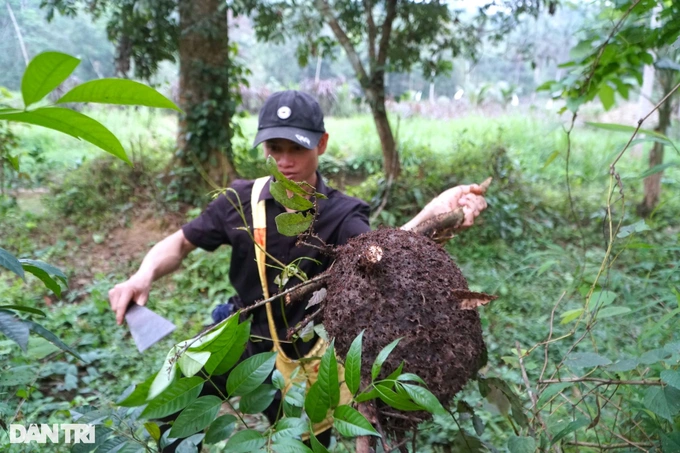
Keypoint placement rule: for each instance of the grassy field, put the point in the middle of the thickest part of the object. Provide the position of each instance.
(532, 248)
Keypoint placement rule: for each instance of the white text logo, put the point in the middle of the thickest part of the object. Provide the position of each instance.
(76, 433)
(303, 139)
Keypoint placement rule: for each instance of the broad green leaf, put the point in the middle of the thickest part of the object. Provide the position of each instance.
(625, 129)
(19, 375)
(382, 356)
(9, 261)
(273, 170)
(370, 394)
(396, 400)
(608, 312)
(600, 299)
(328, 375)
(586, 360)
(166, 376)
(234, 353)
(394, 375)
(624, 365)
(663, 401)
(250, 373)
(14, 328)
(23, 308)
(220, 429)
(196, 416)
(411, 377)
(52, 338)
(670, 442)
(112, 445)
(191, 362)
(295, 202)
(174, 398)
(293, 223)
(257, 400)
(607, 96)
(570, 315)
(138, 396)
(350, 423)
(246, 441)
(353, 365)
(570, 428)
(118, 91)
(317, 447)
(288, 445)
(49, 275)
(44, 73)
(317, 403)
(278, 380)
(154, 430)
(467, 443)
(655, 356)
(289, 427)
(74, 124)
(636, 227)
(671, 377)
(190, 444)
(521, 444)
(550, 392)
(101, 435)
(424, 398)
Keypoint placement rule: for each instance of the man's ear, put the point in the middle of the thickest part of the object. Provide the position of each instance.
(323, 143)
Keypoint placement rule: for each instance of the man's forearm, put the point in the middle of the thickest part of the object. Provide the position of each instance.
(165, 257)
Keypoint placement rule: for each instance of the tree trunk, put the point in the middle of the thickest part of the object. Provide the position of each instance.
(376, 101)
(204, 138)
(652, 183)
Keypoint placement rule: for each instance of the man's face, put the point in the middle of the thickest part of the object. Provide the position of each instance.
(296, 162)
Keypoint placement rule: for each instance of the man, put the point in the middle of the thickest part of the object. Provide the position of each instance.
(292, 129)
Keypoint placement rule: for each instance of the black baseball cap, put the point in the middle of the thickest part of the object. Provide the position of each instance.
(293, 115)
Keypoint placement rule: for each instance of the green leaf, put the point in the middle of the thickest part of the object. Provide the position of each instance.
(522, 444)
(52, 338)
(624, 365)
(396, 400)
(44, 73)
(382, 356)
(636, 227)
(317, 446)
(317, 403)
(196, 416)
(671, 377)
(350, 423)
(118, 91)
(570, 428)
(288, 445)
(671, 442)
(353, 365)
(293, 223)
(191, 362)
(19, 375)
(112, 445)
(550, 392)
(287, 184)
(328, 375)
(234, 352)
(657, 169)
(606, 95)
(190, 444)
(174, 398)
(14, 328)
(250, 373)
(166, 376)
(601, 299)
(101, 434)
(154, 430)
(570, 315)
(257, 400)
(289, 427)
(665, 402)
(654, 356)
(394, 375)
(47, 280)
(295, 202)
(220, 429)
(138, 395)
(424, 398)
(74, 124)
(554, 155)
(278, 380)
(9, 261)
(246, 441)
(23, 308)
(608, 312)
(625, 129)
(586, 360)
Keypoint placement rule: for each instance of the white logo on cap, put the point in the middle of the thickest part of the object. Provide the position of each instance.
(283, 112)
(303, 139)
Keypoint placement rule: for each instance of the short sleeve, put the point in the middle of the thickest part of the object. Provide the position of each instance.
(355, 223)
(209, 230)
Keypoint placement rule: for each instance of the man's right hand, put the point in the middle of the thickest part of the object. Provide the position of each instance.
(135, 289)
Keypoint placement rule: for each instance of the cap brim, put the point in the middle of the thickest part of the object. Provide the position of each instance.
(303, 137)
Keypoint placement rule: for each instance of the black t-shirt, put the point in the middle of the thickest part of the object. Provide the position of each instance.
(339, 218)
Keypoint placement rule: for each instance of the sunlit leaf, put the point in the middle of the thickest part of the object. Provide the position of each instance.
(117, 91)
(44, 73)
(175, 398)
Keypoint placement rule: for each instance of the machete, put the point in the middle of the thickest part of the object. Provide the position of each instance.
(146, 327)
